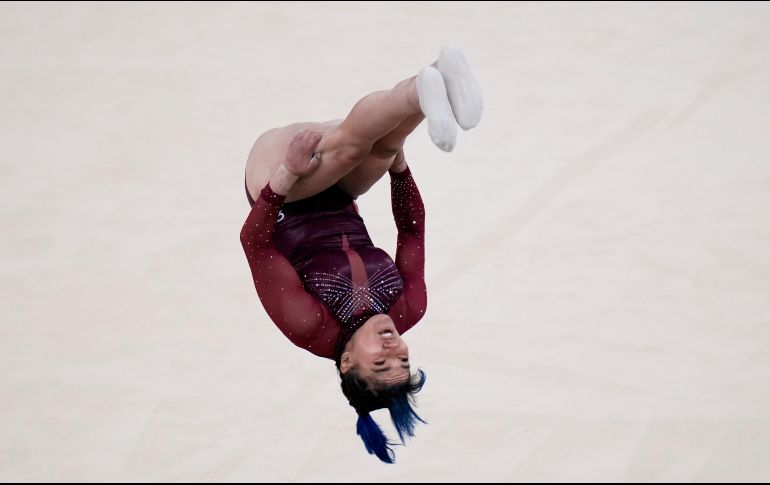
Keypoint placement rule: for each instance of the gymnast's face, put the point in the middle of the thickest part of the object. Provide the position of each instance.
(378, 353)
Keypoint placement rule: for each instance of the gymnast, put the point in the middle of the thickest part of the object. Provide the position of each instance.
(318, 275)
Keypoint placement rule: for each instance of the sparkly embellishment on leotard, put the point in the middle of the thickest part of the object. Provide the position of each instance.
(346, 298)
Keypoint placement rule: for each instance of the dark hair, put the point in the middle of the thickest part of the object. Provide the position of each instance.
(398, 399)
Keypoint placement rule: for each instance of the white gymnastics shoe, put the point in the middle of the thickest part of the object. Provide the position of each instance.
(434, 103)
(463, 90)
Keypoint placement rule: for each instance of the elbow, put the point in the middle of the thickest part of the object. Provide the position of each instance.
(421, 298)
(422, 305)
(245, 237)
(301, 341)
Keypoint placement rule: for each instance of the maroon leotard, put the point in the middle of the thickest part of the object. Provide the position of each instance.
(319, 276)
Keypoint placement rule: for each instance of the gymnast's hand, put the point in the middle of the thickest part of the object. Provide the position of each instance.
(300, 159)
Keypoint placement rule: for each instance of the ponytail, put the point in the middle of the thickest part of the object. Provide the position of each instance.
(374, 439)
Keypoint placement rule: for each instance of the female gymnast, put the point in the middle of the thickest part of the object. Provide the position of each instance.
(316, 271)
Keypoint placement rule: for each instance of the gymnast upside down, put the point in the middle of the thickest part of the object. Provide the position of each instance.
(320, 278)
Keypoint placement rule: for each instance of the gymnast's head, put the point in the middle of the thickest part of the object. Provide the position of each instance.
(377, 353)
(375, 373)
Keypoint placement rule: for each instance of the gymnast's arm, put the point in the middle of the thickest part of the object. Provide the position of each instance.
(304, 320)
(409, 214)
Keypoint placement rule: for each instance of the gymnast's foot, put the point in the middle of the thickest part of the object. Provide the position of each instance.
(434, 103)
(463, 90)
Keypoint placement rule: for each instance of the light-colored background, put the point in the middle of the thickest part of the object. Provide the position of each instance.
(598, 248)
